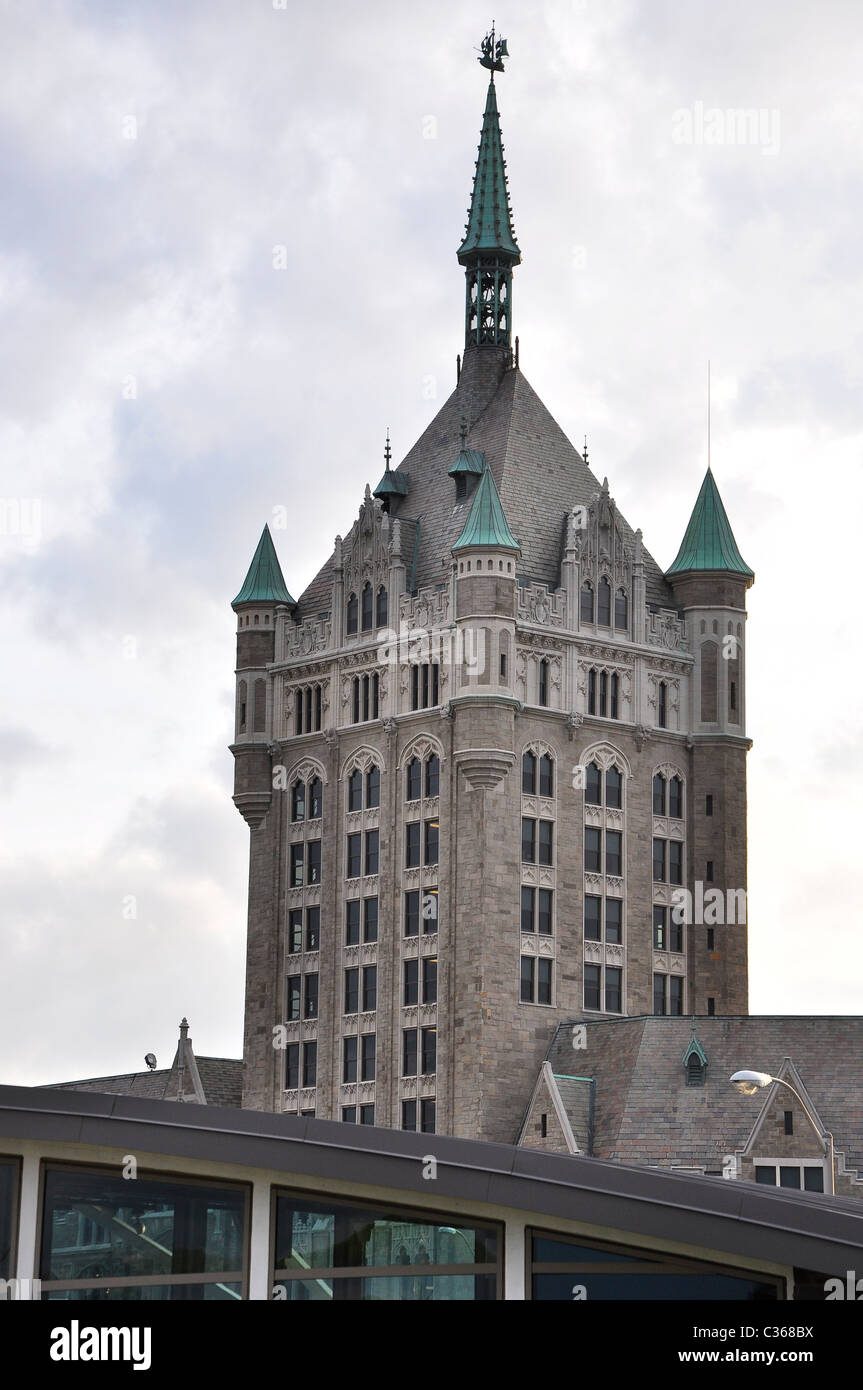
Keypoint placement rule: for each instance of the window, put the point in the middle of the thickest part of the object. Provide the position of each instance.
(675, 936)
(710, 938)
(298, 802)
(546, 841)
(367, 1114)
(429, 979)
(592, 850)
(603, 694)
(789, 1121)
(381, 607)
(528, 970)
(433, 775)
(695, 1070)
(295, 930)
(675, 995)
(370, 988)
(242, 690)
(659, 861)
(591, 691)
(662, 704)
(613, 788)
(621, 611)
(432, 839)
(528, 896)
(308, 705)
(544, 918)
(528, 841)
(546, 776)
(313, 860)
(170, 1228)
(410, 1052)
(351, 615)
(528, 775)
(711, 1007)
(366, 697)
(352, 922)
(310, 1063)
(372, 851)
(675, 798)
(354, 856)
(809, 1176)
(536, 910)
(708, 871)
(310, 1009)
(410, 993)
(659, 995)
(543, 682)
(592, 987)
(586, 607)
(592, 918)
(427, 1116)
(708, 805)
(603, 613)
(409, 1107)
(292, 1066)
(412, 844)
(367, 608)
(349, 1117)
(425, 685)
(352, 991)
(367, 1057)
(428, 1051)
(658, 794)
(413, 775)
(535, 980)
(614, 691)
(297, 865)
(355, 791)
(593, 785)
(294, 996)
(613, 852)
(370, 919)
(412, 912)
(614, 921)
(373, 788)
(349, 1062)
(346, 1250)
(675, 861)
(660, 927)
(316, 798)
(613, 989)
(619, 1272)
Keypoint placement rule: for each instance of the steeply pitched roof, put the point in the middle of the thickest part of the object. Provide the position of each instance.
(486, 525)
(646, 1113)
(709, 543)
(489, 226)
(264, 582)
(539, 475)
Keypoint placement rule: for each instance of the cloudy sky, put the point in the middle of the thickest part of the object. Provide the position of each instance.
(227, 264)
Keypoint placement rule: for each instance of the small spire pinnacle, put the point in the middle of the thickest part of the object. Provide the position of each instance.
(463, 431)
(388, 453)
(584, 453)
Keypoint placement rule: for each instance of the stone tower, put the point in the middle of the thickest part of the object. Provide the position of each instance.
(482, 757)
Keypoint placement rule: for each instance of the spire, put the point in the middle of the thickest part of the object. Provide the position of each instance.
(391, 484)
(489, 249)
(264, 582)
(709, 542)
(486, 524)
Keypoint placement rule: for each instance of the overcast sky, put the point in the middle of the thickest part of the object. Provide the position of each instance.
(164, 388)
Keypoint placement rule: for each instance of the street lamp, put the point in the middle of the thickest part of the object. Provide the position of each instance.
(749, 1082)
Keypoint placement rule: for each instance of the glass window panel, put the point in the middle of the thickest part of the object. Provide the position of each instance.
(412, 912)
(544, 912)
(592, 986)
(614, 920)
(593, 785)
(528, 841)
(294, 988)
(527, 902)
(613, 989)
(370, 919)
(432, 838)
(592, 918)
(546, 776)
(355, 790)
(8, 1200)
(352, 922)
(613, 788)
(411, 990)
(412, 844)
(314, 861)
(543, 981)
(313, 928)
(352, 991)
(528, 774)
(433, 776)
(295, 930)
(813, 1179)
(546, 841)
(675, 861)
(592, 849)
(613, 852)
(675, 798)
(373, 787)
(354, 857)
(527, 969)
(372, 851)
(413, 779)
(789, 1176)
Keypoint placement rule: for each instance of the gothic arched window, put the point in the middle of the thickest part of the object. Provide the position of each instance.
(367, 607)
(351, 613)
(381, 608)
(586, 602)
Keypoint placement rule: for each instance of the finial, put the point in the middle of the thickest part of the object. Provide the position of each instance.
(493, 53)
(463, 432)
(388, 453)
(584, 455)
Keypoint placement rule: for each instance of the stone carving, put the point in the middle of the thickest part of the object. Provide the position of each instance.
(665, 629)
(537, 604)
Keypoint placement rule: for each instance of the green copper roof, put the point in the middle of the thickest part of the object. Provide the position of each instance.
(694, 1050)
(489, 227)
(709, 542)
(486, 524)
(264, 582)
(392, 485)
(468, 461)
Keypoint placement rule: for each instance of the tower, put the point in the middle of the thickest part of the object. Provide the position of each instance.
(474, 776)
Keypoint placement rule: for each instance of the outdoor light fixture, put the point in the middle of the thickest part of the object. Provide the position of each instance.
(151, 1061)
(748, 1082)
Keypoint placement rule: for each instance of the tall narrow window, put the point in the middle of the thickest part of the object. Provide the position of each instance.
(432, 840)
(528, 775)
(659, 995)
(603, 613)
(381, 608)
(621, 611)
(613, 989)
(546, 841)
(592, 987)
(260, 707)
(367, 608)
(658, 794)
(372, 851)
(613, 853)
(613, 694)
(591, 691)
(316, 798)
(298, 801)
(432, 775)
(413, 781)
(355, 791)
(352, 922)
(675, 861)
(314, 861)
(241, 701)
(593, 785)
(373, 787)
(410, 994)
(543, 682)
(614, 788)
(546, 776)
(528, 841)
(592, 850)
(614, 921)
(412, 844)
(586, 603)
(352, 991)
(351, 615)
(592, 918)
(528, 965)
(528, 896)
(659, 861)
(356, 700)
(603, 694)
(662, 705)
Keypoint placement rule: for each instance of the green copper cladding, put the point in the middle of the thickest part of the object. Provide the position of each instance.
(709, 542)
(264, 583)
(468, 461)
(489, 249)
(486, 525)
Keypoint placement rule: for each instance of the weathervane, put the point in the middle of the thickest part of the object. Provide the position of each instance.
(493, 53)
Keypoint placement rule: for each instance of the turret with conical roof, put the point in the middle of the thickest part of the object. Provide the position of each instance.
(264, 582)
(709, 543)
(489, 249)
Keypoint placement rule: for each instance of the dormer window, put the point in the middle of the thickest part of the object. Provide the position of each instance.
(460, 487)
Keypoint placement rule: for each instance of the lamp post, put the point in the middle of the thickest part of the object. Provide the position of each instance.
(748, 1082)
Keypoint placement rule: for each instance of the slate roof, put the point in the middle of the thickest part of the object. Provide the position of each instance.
(539, 476)
(221, 1078)
(708, 542)
(644, 1112)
